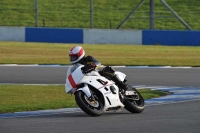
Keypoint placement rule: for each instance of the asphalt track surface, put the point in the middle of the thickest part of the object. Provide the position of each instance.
(182, 117)
(140, 76)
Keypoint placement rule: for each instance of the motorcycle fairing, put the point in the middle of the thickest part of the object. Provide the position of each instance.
(74, 75)
(120, 75)
(110, 99)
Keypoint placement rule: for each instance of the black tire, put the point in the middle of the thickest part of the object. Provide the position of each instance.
(86, 105)
(134, 106)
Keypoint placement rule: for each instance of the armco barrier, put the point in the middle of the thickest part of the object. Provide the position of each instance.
(54, 35)
(172, 38)
(100, 36)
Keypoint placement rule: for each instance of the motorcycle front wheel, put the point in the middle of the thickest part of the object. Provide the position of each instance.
(91, 107)
(134, 104)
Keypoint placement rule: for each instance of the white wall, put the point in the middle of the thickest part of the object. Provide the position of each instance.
(12, 34)
(110, 36)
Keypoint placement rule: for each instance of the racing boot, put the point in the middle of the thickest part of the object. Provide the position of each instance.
(121, 84)
(112, 76)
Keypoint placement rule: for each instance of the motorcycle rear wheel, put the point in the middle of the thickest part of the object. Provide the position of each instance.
(90, 107)
(134, 106)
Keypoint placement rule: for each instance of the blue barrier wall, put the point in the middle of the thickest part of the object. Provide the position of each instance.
(171, 38)
(101, 36)
(54, 35)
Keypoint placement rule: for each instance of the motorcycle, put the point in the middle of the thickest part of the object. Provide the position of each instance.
(96, 94)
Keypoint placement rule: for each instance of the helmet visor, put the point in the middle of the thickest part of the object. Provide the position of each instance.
(73, 57)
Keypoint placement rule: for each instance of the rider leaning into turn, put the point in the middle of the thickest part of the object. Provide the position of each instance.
(77, 55)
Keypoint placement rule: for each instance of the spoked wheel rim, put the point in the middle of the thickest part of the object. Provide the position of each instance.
(93, 103)
(134, 104)
(93, 107)
(138, 102)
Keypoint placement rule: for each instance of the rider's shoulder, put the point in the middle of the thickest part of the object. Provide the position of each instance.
(75, 66)
(90, 58)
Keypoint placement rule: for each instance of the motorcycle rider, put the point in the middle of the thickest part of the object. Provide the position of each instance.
(77, 55)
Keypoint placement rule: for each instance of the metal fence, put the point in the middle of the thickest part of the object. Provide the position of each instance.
(109, 14)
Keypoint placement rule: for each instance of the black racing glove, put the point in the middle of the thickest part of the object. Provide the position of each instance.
(88, 68)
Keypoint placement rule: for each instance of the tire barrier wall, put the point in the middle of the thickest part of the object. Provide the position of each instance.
(100, 36)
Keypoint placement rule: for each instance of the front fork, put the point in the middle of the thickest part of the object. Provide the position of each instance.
(87, 91)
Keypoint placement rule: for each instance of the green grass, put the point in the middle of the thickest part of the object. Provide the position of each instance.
(106, 13)
(148, 94)
(50, 53)
(16, 98)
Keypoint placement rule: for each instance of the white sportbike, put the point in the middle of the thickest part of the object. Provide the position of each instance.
(95, 94)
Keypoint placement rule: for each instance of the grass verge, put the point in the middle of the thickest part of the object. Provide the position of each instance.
(51, 53)
(16, 98)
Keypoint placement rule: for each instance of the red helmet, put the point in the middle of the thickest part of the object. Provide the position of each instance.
(76, 54)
